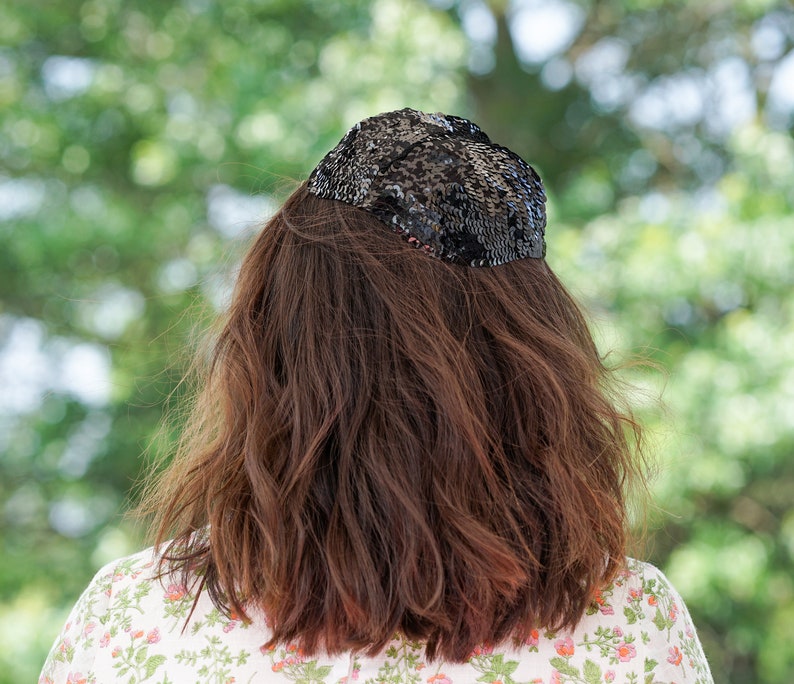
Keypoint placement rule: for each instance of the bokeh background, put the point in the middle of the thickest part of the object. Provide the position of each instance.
(142, 141)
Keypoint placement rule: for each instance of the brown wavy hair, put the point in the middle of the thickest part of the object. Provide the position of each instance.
(385, 442)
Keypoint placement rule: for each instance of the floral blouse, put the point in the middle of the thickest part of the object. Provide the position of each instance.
(129, 627)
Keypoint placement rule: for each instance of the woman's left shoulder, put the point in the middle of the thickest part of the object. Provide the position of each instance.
(83, 634)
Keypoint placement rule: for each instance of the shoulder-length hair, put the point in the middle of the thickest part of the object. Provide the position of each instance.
(388, 443)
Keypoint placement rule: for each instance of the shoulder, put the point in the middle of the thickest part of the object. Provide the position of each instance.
(642, 599)
(651, 618)
(642, 580)
(115, 588)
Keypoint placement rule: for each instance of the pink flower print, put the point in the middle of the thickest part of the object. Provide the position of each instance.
(264, 650)
(603, 607)
(609, 676)
(296, 656)
(66, 644)
(675, 656)
(75, 678)
(229, 626)
(138, 634)
(673, 612)
(105, 640)
(278, 667)
(439, 678)
(154, 636)
(353, 677)
(175, 592)
(533, 638)
(689, 632)
(89, 628)
(617, 631)
(482, 649)
(116, 652)
(652, 600)
(555, 677)
(564, 646)
(625, 652)
(634, 594)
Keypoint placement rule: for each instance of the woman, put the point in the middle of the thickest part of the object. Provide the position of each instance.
(404, 465)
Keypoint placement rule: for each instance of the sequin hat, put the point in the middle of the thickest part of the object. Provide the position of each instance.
(440, 182)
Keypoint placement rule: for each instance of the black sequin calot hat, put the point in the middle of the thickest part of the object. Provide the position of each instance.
(439, 181)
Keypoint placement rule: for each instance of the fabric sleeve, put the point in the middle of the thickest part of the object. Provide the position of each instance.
(72, 656)
(672, 644)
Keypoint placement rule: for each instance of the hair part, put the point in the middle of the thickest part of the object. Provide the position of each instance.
(386, 442)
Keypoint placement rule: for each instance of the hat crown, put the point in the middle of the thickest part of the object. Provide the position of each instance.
(442, 183)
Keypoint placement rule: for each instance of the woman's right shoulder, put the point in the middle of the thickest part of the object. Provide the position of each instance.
(640, 592)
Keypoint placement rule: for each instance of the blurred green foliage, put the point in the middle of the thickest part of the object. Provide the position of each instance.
(140, 142)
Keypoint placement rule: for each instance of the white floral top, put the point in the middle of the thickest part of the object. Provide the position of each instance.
(128, 627)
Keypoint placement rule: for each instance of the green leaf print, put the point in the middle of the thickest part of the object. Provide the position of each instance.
(152, 664)
(631, 616)
(650, 664)
(592, 673)
(312, 673)
(661, 621)
(564, 668)
(406, 666)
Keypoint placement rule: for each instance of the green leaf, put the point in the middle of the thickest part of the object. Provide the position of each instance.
(592, 672)
(661, 621)
(153, 663)
(562, 665)
(631, 616)
(323, 671)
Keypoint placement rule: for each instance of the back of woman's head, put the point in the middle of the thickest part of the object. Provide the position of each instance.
(388, 442)
(392, 439)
